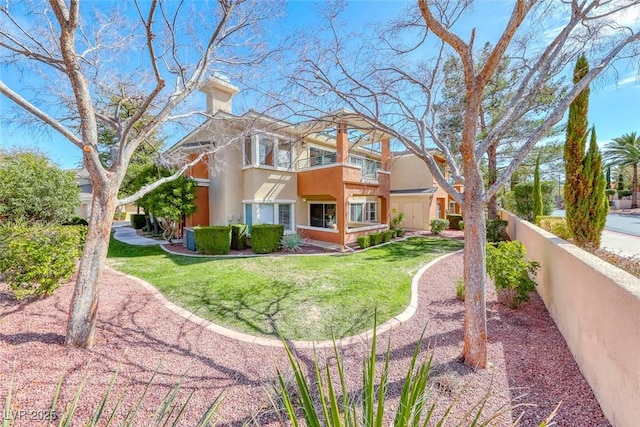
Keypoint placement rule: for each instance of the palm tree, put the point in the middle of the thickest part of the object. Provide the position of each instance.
(623, 151)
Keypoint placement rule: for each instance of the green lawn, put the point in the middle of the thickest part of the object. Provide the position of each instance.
(305, 298)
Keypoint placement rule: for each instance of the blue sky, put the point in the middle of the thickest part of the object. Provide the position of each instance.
(614, 108)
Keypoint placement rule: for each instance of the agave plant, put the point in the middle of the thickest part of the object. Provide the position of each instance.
(325, 401)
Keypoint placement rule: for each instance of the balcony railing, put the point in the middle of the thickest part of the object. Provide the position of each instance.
(369, 167)
(321, 160)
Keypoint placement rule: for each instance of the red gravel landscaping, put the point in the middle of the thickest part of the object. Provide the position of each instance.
(136, 332)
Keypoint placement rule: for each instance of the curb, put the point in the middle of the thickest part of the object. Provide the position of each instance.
(394, 322)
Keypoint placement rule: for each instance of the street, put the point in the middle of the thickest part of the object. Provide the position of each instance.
(621, 234)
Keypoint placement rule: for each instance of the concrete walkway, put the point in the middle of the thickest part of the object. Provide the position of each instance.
(126, 234)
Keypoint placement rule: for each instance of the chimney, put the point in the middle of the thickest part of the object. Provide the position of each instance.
(220, 92)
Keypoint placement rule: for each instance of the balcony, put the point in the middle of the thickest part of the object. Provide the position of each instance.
(368, 167)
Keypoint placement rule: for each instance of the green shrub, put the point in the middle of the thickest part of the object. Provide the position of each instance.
(138, 221)
(376, 238)
(523, 198)
(496, 230)
(460, 289)
(510, 271)
(292, 242)
(556, 225)
(76, 220)
(400, 232)
(454, 220)
(36, 259)
(438, 225)
(213, 240)
(624, 193)
(461, 225)
(610, 191)
(387, 235)
(396, 221)
(239, 237)
(265, 238)
(364, 242)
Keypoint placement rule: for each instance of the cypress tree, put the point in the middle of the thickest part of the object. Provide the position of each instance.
(537, 193)
(575, 186)
(591, 211)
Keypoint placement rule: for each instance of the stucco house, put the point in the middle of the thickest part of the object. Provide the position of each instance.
(415, 193)
(330, 178)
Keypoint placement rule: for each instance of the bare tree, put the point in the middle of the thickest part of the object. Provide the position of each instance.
(153, 54)
(540, 37)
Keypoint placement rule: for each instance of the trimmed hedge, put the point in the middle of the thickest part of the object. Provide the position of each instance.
(387, 235)
(238, 237)
(36, 259)
(213, 240)
(138, 220)
(364, 242)
(454, 221)
(376, 238)
(461, 225)
(265, 238)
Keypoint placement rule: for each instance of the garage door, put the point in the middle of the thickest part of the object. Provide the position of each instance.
(414, 213)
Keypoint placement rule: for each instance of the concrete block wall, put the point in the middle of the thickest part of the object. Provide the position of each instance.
(596, 307)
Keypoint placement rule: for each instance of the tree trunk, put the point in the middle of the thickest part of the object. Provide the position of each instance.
(634, 187)
(475, 318)
(84, 303)
(492, 154)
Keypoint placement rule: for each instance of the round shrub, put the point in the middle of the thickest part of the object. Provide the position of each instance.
(138, 221)
(387, 235)
(461, 225)
(438, 225)
(454, 221)
(35, 260)
(265, 238)
(213, 240)
(510, 271)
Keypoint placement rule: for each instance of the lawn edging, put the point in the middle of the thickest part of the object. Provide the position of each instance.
(392, 323)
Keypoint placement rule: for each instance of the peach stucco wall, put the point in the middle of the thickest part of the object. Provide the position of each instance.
(201, 215)
(596, 307)
(269, 184)
(410, 172)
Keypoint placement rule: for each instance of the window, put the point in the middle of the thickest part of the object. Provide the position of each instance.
(284, 216)
(248, 215)
(363, 212)
(319, 157)
(248, 152)
(265, 151)
(322, 215)
(269, 213)
(264, 213)
(370, 213)
(284, 154)
(452, 207)
(355, 212)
